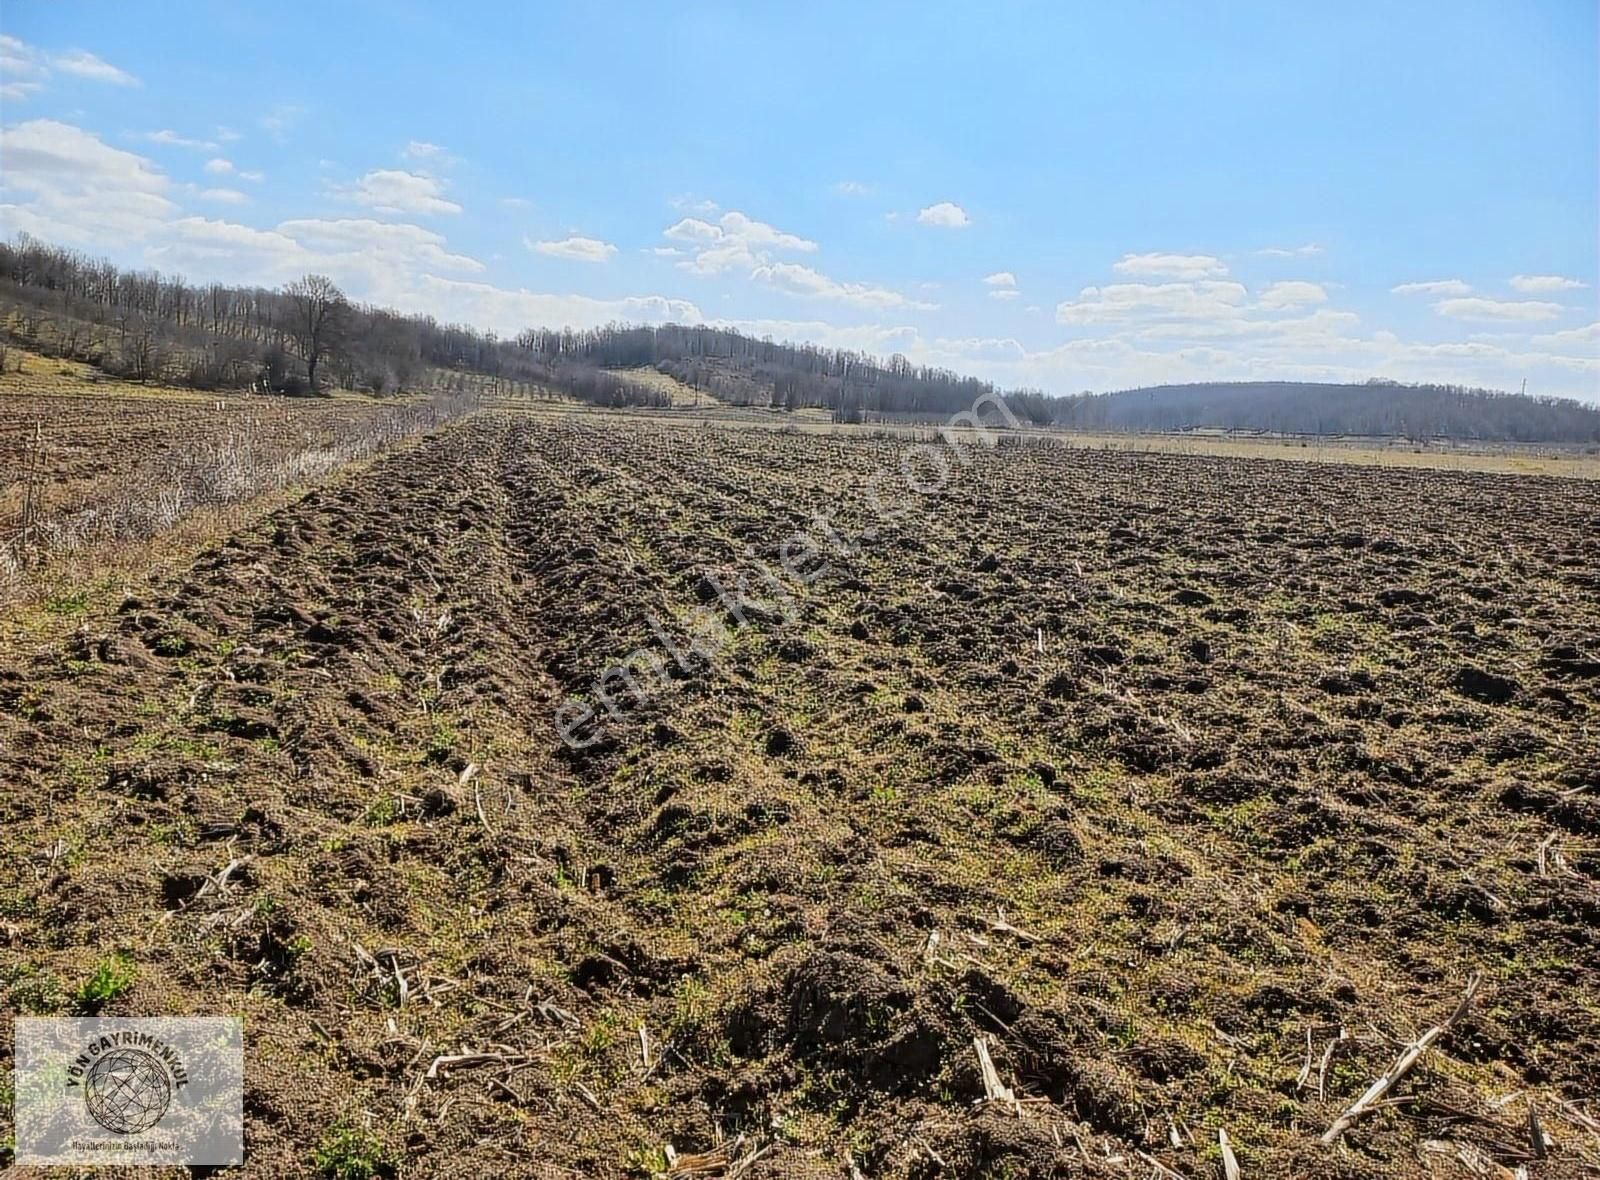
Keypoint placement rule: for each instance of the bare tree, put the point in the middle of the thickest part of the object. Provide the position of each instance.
(319, 314)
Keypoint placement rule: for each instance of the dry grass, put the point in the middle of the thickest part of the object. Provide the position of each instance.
(682, 395)
(30, 375)
(91, 466)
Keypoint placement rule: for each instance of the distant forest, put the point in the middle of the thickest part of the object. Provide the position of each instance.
(1374, 408)
(305, 336)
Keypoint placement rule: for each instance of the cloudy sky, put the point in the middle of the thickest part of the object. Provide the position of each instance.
(1086, 199)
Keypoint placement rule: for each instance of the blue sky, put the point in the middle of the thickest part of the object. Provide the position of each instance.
(1068, 197)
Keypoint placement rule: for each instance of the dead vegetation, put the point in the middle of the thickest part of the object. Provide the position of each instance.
(79, 471)
(1106, 815)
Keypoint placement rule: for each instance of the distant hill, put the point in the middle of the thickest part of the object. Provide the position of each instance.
(148, 326)
(1372, 409)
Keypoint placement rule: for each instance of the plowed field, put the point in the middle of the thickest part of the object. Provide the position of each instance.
(1192, 789)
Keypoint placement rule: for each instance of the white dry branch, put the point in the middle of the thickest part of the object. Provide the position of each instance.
(214, 886)
(1000, 924)
(1402, 1066)
(993, 1088)
(444, 1064)
(729, 1159)
(1157, 1167)
(1230, 1165)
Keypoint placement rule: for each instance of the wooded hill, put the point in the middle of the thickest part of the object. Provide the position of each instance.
(745, 371)
(1374, 408)
(150, 326)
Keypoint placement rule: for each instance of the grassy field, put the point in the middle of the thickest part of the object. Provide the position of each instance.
(1092, 809)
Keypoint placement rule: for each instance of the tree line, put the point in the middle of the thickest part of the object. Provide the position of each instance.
(306, 335)
(297, 339)
(1375, 408)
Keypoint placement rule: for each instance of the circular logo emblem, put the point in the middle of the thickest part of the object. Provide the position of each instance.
(127, 1091)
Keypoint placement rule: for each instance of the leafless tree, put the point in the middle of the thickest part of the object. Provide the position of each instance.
(319, 313)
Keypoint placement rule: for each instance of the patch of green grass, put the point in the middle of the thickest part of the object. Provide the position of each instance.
(172, 835)
(601, 1033)
(172, 645)
(112, 977)
(351, 1153)
(67, 604)
(382, 812)
(647, 1161)
(691, 1004)
(191, 747)
(441, 741)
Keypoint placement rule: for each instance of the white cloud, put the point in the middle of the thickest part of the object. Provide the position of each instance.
(803, 281)
(70, 187)
(1279, 296)
(420, 149)
(1316, 326)
(666, 251)
(19, 59)
(945, 214)
(1513, 310)
(515, 203)
(227, 135)
(281, 120)
(1174, 266)
(374, 260)
(86, 65)
(391, 191)
(692, 229)
(1004, 293)
(1588, 334)
(224, 196)
(1309, 250)
(733, 242)
(980, 348)
(218, 166)
(877, 339)
(574, 249)
(1001, 278)
(379, 238)
(735, 226)
(83, 192)
(44, 153)
(509, 311)
(1545, 284)
(1433, 287)
(690, 204)
(852, 188)
(1209, 299)
(170, 138)
(24, 68)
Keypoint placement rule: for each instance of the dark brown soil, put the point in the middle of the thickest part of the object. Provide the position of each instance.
(1154, 772)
